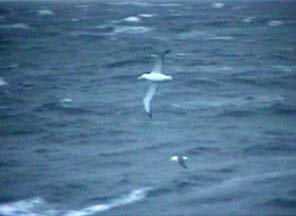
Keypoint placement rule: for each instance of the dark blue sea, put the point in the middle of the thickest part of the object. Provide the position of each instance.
(75, 139)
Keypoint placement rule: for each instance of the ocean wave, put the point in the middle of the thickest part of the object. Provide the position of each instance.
(61, 106)
(283, 202)
(224, 38)
(88, 34)
(75, 20)
(22, 26)
(83, 6)
(272, 147)
(130, 2)
(131, 29)
(274, 23)
(169, 5)
(146, 15)
(134, 196)
(217, 5)
(30, 207)
(45, 12)
(238, 182)
(239, 106)
(283, 68)
(66, 102)
(131, 19)
(10, 66)
(195, 34)
(111, 30)
(39, 207)
(248, 19)
(2, 82)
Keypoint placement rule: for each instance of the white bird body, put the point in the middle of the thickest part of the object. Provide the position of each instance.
(156, 76)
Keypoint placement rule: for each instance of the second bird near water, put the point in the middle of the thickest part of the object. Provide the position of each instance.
(154, 77)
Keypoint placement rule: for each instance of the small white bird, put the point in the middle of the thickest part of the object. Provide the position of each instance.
(154, 77)
(180, 159)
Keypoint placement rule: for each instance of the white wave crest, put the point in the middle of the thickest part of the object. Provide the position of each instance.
(44, 12)
(131, 29)
(274, 23)
(132, 197)
(38, 207)
(75, 19)
(146, 15)
(225, 38)
(132, 19)
(2, 82)
(83, 6)
(15, 26)
(217, 5)
(248, 19)
(31, 207)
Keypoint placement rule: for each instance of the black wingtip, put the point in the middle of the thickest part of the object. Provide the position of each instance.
(183, 164)
(167, 51)
(150, 115)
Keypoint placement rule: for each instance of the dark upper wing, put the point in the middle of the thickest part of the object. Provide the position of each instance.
(182, 163)
(159, 62)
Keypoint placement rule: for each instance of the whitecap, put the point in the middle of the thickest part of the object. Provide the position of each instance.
(248, 19)
(146, 15)
(44, 12)
(217, 5)
(39, 207)
(225, 38)
(132, 19)
(82, 6)
(30, 207)
(131, 29)
(169, 5)
(274, 23)
(75, 19)
(134, 196)
(2, 82)
(181, 54)
(66, 102)
(22, 26)
(283, 68)
(129, 2)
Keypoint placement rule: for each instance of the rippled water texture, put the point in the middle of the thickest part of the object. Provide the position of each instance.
(75, 139)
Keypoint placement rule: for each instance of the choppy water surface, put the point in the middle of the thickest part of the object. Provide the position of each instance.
(74, 137)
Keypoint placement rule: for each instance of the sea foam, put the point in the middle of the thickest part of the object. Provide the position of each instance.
(134, 196)
(39, 207)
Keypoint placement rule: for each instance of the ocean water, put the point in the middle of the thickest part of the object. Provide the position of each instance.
(74, 137)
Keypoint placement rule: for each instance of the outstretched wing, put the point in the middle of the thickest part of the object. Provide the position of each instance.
(148, 97)
(182, 163)
(159, 62)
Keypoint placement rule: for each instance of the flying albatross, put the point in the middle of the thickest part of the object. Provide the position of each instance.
(180, 159)
(154, 77)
